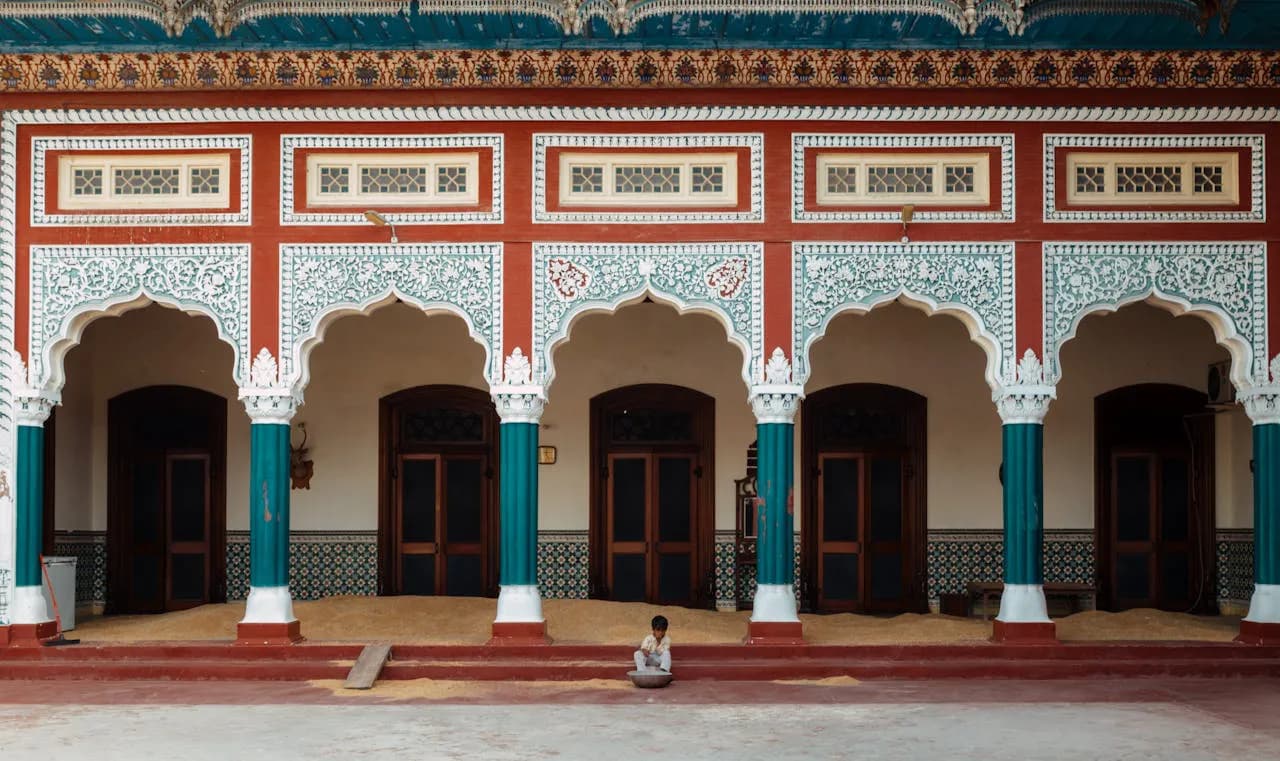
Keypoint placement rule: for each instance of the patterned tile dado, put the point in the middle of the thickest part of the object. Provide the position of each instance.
(89, 548)
(1235, 566)
(956, 558)
(563, 558)
(321, 564)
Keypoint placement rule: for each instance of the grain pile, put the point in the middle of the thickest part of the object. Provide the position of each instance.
(830, 681)
(438, 689)
(1146, 624)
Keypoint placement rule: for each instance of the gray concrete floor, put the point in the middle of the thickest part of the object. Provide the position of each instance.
(1149, 731)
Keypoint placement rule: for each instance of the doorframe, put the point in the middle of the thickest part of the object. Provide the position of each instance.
(915, 517)
(153, 400)
(444, 395)
(656, 396)
(1176, 401)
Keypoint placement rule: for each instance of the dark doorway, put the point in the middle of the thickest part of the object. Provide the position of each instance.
(863, 460)
(166, 510)
(438, 523)
(652, 498)
(1154, 513)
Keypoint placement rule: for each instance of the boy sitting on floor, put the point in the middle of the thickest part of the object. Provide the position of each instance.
(655, 650)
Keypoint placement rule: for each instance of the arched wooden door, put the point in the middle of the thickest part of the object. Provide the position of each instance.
(166, 504)
(652, 495)
(863, 460)
(1154, 515)
(438, 522)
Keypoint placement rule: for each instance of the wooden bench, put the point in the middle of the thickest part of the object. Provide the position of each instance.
(986, 591)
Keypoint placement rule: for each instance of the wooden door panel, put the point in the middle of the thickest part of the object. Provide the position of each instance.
(627, 527)
(1133, 494)
(146, 532)
(417, 525)
(462, 522)
(671, 519)
(841, 528)
(187, 514)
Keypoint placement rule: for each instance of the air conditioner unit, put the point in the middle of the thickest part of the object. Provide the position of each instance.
(1221, 389)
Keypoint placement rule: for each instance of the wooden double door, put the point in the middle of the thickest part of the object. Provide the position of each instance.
(1155, 513)
(166, 499)
(652, 535)
(438, 524)
(864, 456)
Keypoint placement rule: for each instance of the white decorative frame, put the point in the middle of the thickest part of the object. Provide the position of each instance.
(177, 144)
(801, 143)
(1223, 283)
(970, 281)
(319, 283)
(1257, 211)
(754, 171)
(723, 280)
(289, 144)
(71, 286)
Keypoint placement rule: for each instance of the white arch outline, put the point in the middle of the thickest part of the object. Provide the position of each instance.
(306, 343)
(979, 333)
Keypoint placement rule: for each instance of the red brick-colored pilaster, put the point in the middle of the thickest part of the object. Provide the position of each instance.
(521, 633)
(269, 634)
(1024, 633)
(775, 633)
(1029, 302)
(777, 298)
(517, 300)
(1273, 298)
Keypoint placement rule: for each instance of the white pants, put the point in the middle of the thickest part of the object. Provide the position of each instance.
(646, 661)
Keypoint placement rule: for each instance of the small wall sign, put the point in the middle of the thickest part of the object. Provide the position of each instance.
(546, 455)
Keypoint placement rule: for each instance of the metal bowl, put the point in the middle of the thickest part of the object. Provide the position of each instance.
(650, 679)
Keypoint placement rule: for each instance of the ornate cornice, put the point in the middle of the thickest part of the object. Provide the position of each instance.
(1025, 400)
(273, 405)
(1261, 401)
(628, 69)
(32, 410)
(776, 403)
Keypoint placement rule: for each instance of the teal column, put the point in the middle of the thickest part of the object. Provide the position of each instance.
(1266, 505)
(518, 504)
(1023, 504)
(775, 522)
(30, 506)
(269, 505)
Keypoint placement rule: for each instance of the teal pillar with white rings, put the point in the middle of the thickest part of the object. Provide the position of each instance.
(1261, 626)
(30, 619)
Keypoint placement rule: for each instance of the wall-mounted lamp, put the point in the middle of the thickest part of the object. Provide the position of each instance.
(300, 468)
(908, 212)
(381, 221)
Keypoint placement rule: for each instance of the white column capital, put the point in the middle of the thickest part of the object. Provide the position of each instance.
(32, 409)
(519, 402)
(1261, 403)
(271, 405)
(776, 402)
(1023, 402)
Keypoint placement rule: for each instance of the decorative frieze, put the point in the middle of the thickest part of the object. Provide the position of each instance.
(321, 282)
(972, 281)
(723, 280)
(1225, 283)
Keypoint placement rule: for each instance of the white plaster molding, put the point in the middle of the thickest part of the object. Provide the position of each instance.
(1023, 604)
(802, 143)
(753, 174)
(519, 604)
(320, 283)
(291, 172)
(73, 285)
(776, 403)
(1257, 189)
(1264, 605)
(1026, 397)
(29, 606)
(41, 179)
(1222, 282)
(268, 605)
(264, 372)
(275, 405)
(774, 603)
(970, 281)
(1261, 401)
(32, 411)
(723, 280)
(516, 370)
(777, 371)
(519, 403)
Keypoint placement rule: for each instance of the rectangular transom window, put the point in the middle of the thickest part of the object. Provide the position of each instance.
(868, 179)
(122, 181)
(637, 179)
(1151, 179)
(395, 179)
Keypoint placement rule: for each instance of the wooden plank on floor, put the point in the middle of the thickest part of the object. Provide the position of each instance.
(368, 667)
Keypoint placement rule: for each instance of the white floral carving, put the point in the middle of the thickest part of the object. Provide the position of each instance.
(620, 272)
(40, 180)
(517, 370)
(1224, 282)
(290, 144)
(1025, 397)
(777, 372)
(264, 373)
(1261, 400)
(753, 173)
(803, 143)
(1257, 196)
(974, 279)
(70, 281)
(319, 280)
(519, 404)
(1030, 369)
(775, 404)
(275, 405)
(726, 279)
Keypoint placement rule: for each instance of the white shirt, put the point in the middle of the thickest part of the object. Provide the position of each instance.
(652, 645)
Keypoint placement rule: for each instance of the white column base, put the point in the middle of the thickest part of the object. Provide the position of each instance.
(268, 605)
(519, 604)
(1023, 604)
(774, 603)
(29, 606)
(1264, 606)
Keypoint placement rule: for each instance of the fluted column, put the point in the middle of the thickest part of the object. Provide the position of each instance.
(30, 620)
(1262, 624)
(1022, 405)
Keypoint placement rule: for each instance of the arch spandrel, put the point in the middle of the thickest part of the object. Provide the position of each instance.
(722, 280)
(970, 281)
(1221, 283)
(71, 286)
(319, 284)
